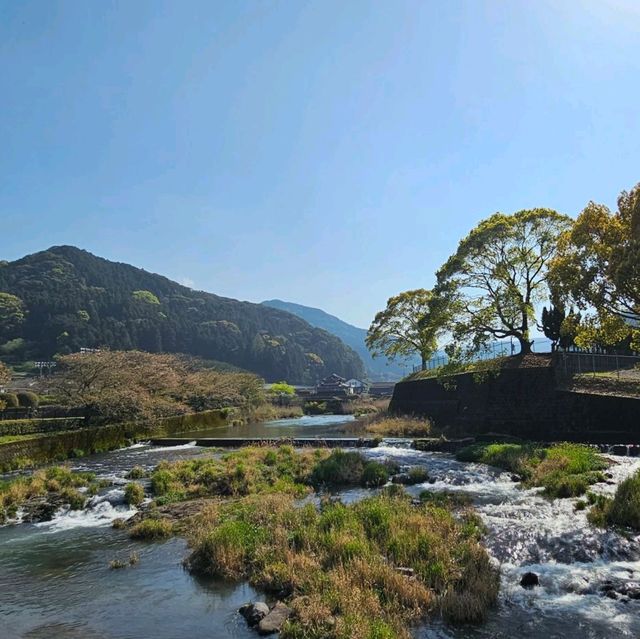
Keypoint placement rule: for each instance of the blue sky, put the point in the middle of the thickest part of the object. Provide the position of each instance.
(329, 153)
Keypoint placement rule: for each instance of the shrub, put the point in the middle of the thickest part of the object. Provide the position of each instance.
(337, 565)
(133, 494)
(339, 469)
(28, 399)
(74, 498)
(624, 509)
(374, 475)
(152, 529)
(10, 400)
(137, 472)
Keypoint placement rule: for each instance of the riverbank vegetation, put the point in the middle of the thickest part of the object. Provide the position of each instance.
(388, 425)
(58, 485)
(622, 510)
(369, 569)
(563, 470)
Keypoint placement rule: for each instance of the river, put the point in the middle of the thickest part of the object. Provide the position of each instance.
(55, 579)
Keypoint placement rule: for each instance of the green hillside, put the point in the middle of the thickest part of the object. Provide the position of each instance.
(68, 298)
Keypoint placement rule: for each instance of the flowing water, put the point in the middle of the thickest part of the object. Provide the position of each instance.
(55, 580)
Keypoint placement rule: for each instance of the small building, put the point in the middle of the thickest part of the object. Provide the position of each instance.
(356, 386)
(333, 386)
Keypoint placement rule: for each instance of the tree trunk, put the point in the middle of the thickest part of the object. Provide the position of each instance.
(424, 362)
(525, 346)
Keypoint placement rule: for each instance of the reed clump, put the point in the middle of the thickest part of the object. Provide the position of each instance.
(563, 470)
(368, 569)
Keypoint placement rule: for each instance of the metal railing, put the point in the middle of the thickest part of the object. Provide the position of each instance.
(620, 367)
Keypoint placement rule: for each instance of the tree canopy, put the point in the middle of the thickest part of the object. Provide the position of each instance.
(597, 268)
(12, 315)
(410, 323)
(133, 385)
(498, 275)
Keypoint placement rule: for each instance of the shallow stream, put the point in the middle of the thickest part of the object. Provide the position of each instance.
(55, 579)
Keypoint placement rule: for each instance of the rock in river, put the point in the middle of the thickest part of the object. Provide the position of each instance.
(529, 580)
(254, 612)
(274, 620)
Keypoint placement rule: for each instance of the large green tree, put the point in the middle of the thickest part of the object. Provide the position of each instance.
(498, 275)
(410, 324)
(12, 314)
(598, 269)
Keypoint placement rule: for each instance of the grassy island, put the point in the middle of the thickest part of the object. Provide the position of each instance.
(564, 470)
(370, 569)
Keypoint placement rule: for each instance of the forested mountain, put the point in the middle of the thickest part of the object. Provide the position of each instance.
(378, 368)
(64, 298)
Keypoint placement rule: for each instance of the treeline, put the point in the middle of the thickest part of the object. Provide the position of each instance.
(586, 271)
(63, 299)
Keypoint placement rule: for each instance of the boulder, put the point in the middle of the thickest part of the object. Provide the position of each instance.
(273, 621)
(254, 612)
(529, 580)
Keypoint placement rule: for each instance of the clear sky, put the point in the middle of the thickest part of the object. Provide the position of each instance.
(330, 153)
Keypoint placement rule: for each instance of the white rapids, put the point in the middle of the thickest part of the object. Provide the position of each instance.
(528, 533)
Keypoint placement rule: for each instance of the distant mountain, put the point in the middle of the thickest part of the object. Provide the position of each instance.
(69, 299)
(377, 368)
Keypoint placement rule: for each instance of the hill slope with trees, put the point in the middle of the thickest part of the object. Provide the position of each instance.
(377, 368)
(63, 299)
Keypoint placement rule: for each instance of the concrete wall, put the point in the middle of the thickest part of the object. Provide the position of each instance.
(59, 446)
(525, 402)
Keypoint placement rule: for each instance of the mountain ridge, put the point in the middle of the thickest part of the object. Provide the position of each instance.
(72, 299)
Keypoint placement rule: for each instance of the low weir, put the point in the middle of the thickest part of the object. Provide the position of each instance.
(298, 442)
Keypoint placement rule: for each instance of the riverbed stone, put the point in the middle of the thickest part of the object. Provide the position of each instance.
(529, 580)
(272, 622)
(254, 612)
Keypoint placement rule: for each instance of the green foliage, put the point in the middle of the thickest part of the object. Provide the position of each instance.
(10, 400)
(12, 315)
(27, 399)
(623, 510)
(133, 494)
(552, 320)
(137, 472)
(57, 287)
(498, 275)
(410, 324)
(374, 475)
(147, 297)
(598, 269)
(564, 470)
(245, 472)
(282, 388)
(340, 561)
(152, 530)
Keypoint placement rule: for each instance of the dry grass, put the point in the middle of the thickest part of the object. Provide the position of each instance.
(386, 425)
(58, 480)
(270, 412)
(366, 406)
(337, 565)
